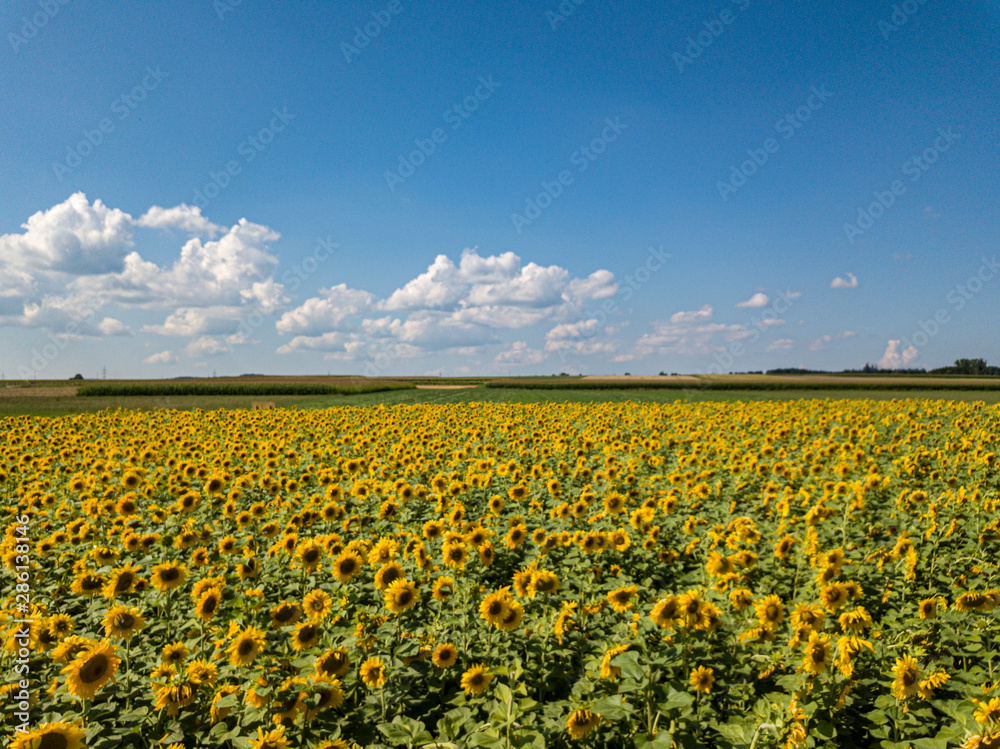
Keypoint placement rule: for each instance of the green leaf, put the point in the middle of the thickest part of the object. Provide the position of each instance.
(503, 694)
(738, 734)
(485, 739)
(824, 729)
(612, 708)
(629, 664)
(230, 700)
(676, 700)
(663, 740)
(396, 733)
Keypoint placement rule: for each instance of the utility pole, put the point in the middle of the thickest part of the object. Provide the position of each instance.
(104, 373)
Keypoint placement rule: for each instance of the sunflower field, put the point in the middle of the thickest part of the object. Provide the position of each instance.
(767, 574)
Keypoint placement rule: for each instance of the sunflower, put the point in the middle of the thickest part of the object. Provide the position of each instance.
(88, 584)
(168, 575)
(290, 701)
(208, 604)
(935, 681)
(246, 646)
(974, 601)
(614, 503)
(907, 677)
(372, 673)
(607, 670)
(122, 581)
(621, 599)
(174, 653)
(217, 713)
(495, 606)
(271, 740)
(91, 670)
(388, 574)
(855, 621)
(817, 656)
(306, 636)
(833, 596)
(400, 595)
(330, 697)
(516, 536)
(70, 648)
(702, 679)
(346, 566)
(719, 565)
(317, 605)
(476, 680)
(927, 608)
(445, 655)
(666, 612)
(770, 612)
(512, 619)
(333, 663)
(581, 722)
(806, 615)
(689, 605)
(122, 623)
(988, 713)
(443, 589)
(784, 547)
(59, 735)
(60, 626)
(455, 554)
(543, 581)
(486, 554)
(285, 614)
(740, 598)
(433, 529)
(175, 696)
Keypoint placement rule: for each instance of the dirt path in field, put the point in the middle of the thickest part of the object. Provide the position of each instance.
(445, 387)
(16, 392)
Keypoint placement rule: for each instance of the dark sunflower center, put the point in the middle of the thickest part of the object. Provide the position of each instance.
(125, 621)
(169, 575)
(53, 741)
(245, 647)
(94, 669)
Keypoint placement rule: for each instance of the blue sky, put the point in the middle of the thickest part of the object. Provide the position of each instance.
(514, 188)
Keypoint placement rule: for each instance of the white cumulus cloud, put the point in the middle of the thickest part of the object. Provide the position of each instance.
(896, 357)
(164, 357)
(851, 282)
(759, 299)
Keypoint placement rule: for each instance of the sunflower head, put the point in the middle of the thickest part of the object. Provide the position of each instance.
(581, 722)
(476, 680)
(91, 670)
(445, 655)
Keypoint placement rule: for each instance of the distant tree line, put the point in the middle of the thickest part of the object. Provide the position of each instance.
(960, 367)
